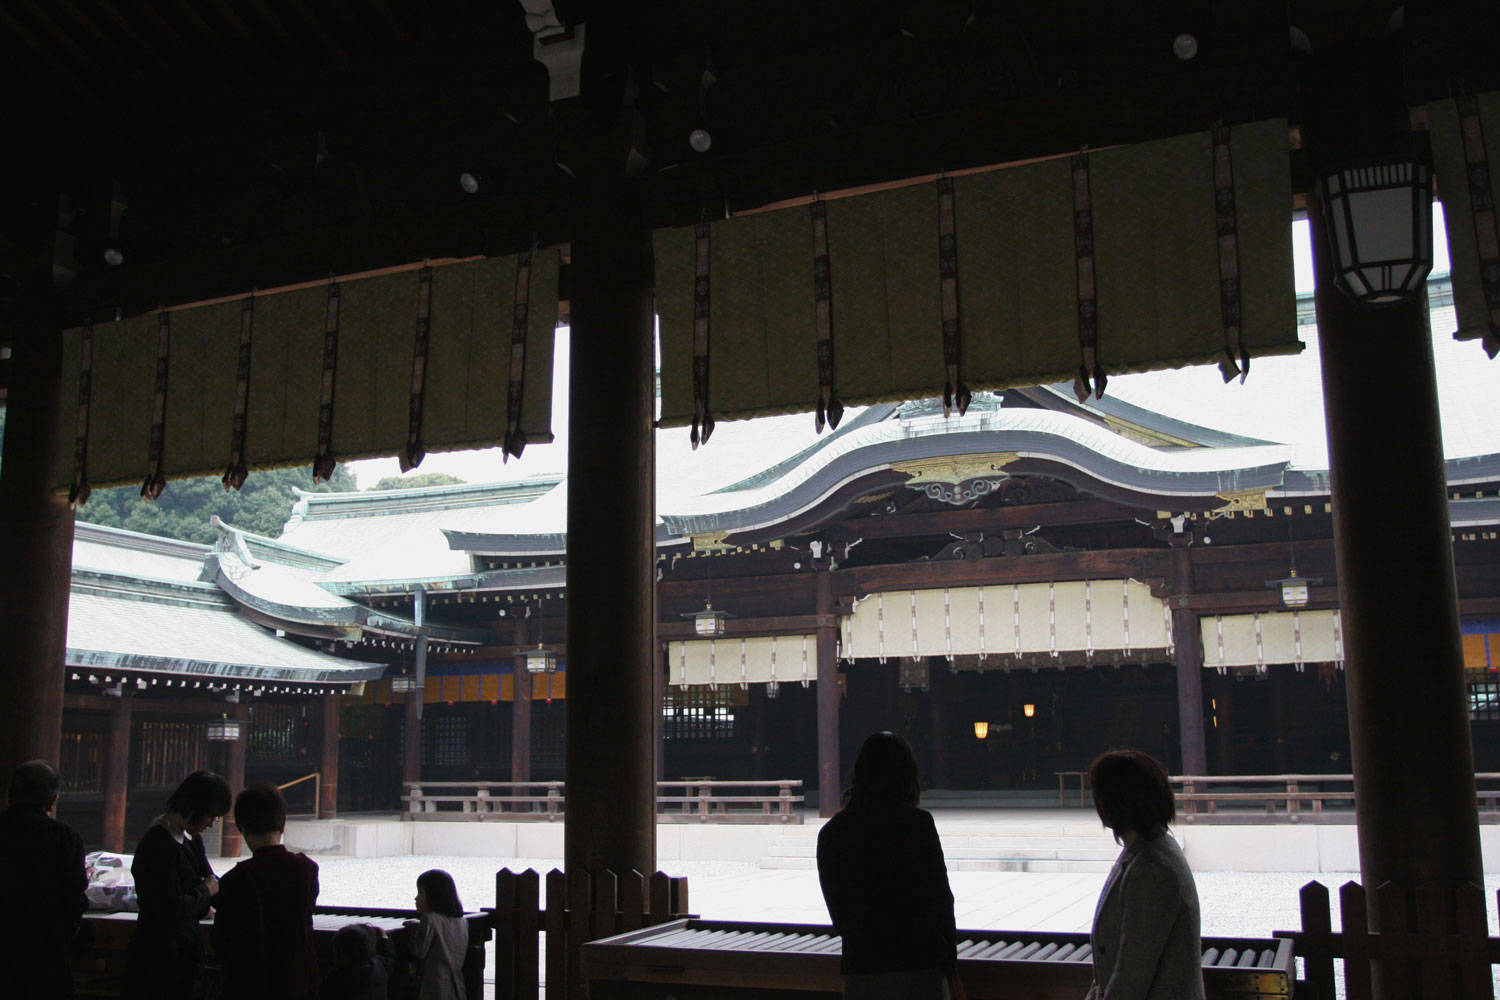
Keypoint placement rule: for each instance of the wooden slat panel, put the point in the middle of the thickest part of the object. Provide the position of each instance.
(606, 899)
(660, 899)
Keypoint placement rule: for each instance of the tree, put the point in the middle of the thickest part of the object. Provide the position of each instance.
(183, 511)
(420, 479)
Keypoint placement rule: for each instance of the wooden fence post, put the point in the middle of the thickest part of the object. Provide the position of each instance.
(1436, 976)
(1317, 931)
(606, 900)
(580, 894)
(1356, 936)
(556, 922)
(632, 901)
(503, 921)
(528, 903)
(1395, 944)
(1476, 981)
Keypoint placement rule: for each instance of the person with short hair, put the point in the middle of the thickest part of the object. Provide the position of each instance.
(173, 884)
(1146, 936)
(439, 938)
(263, 932)
(363, 959)
(881, 868)
(41, 867)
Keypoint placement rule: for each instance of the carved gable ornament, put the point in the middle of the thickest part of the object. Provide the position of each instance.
(957, 479)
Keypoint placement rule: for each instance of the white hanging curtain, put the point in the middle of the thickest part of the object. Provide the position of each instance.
(1016, 619)
(1258, 640)
(743, 661)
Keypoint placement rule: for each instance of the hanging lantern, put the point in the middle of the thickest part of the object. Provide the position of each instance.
(1028, 710)
(403, 683)
(1379, 219)
(981, 730)
(540, 661)
(708, 623)
(1296, 591)
(223, 729)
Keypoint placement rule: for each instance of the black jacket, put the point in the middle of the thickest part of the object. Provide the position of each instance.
(886, 886)
(166, 950)
(263, 932)
(41, 868)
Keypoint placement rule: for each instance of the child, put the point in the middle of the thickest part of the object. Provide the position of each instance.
(263, 921)
(365, 957)
(440, 938)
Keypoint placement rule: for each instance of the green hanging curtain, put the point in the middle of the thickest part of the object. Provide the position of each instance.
(1156, 253)
(461, 398)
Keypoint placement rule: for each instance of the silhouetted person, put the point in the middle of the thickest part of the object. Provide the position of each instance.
(439, 938)
(363, 957)
(263, 932)
(881, 868)
(41, 870)
(173, 884)
(1146, 929)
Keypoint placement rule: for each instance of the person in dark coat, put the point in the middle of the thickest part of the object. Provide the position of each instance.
(173, 884)
(41, 867)
(263, 933)
(364, 957)
(881, 867)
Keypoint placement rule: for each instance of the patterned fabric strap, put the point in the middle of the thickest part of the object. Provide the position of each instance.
(235, 473)
(155, 482)
(325, 463)
(1236, 359)
(80, 491)
(411, 456)
(515, 437)
(1482, 204)
(830, 410)
(1089, 369)
(955, 393)
(703, 420)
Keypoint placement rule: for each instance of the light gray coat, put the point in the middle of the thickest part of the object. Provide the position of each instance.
(1146, 939)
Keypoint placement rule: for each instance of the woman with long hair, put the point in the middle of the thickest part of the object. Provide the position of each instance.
(439, 937)
(881, 868)
(1146, 931)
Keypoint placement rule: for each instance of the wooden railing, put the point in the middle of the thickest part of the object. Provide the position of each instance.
(317, 779)
(701, 800)
(561, 914)
(1292, 797)
(1445, 952)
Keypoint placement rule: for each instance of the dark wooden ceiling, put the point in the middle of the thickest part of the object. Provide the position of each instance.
(258, 142)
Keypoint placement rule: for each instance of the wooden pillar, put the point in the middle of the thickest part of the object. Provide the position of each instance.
(1188, 656)
(411, 746)
(658, 705)
(1414, 787)
(116, 776)
(36, 548)
(1277, 676)
(611, 553)
(328, 766)
(1224, 711)
(520, 713)
(828, 699)
(756, 710)
(937, 683)
(234, 773)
